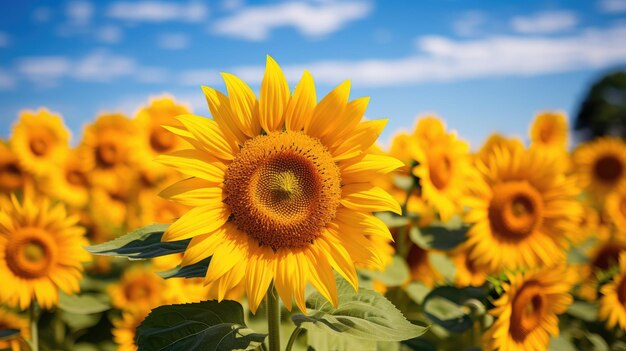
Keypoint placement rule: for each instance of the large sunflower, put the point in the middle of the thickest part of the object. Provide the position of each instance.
(527, 311)
(613, 302)
(549, 131)
(522, 209)
(443, 168)
(40, 140)
(41, 251)
(600, 165)
(280, 188)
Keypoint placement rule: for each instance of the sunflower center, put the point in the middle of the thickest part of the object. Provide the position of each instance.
(283, 188)
(515, 210)
(76, 177)
(622, 205)
(528, 309)
(440, 169)
(137, 291)
(107, 154)
(546, 133)
(161, 140)
(38, 146)
(30, 254)
(608, 169)
(621, 291)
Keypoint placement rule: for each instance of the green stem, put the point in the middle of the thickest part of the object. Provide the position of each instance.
(273, 318)
(292, 338)
(34, 317)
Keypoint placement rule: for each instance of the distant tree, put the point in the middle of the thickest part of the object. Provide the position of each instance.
(603, 111)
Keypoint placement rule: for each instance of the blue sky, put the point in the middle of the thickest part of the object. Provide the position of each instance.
(483, 66)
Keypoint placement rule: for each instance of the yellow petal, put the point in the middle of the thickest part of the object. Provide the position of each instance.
(203, 246)
(231, 279)
(339, 259)
(362, 169)
(259, 274)
(274, 97)
(197, 221)
(232, 250)
(194, 192)
(196, 164)
(369, 224)
(219, 105)
(243, 103)
(302, 104)
(363, 136)
(368, 198)
(283, 279)
(352, 115)
(327, 114)
(210, 136)
(321, 275)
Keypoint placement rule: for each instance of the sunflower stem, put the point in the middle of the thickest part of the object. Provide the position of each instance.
(273, 318)
(34, 318)
(292, 338)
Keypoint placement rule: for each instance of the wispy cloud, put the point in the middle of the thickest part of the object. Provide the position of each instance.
(173, 41)
(4, 39)
(545, 22)
(79, 12)
(199, 77)
(157, 11)
(444, 59)
(613, 6)
(310, 19)
(468, 24)
(7, 81)
(109, 34)
(42, 14)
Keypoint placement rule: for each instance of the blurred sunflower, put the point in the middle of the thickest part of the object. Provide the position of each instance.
(444, 169)
(69, 182)
(616, 209)
(601, 258)
(12, 175)
(150, 119)
(188, 290)
(527, 313)
(124, 329)
(612, 307)
(270, 192)
(494, 142)
(468, 272)
(41, 251)
(521, 210)
(549, 131)
(420, 268)
(600, 165)
(138, 289)
(40, 140)
(429, 129)
(591, 226)
(117, 192)
(10, 320)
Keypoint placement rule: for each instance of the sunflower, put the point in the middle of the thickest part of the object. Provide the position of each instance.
(138, 289)
(12, 175)
(613, 302)
(600, 165)
(444, 170)
(69, 182)
(40, 140)
(10, 320)
(527, 311)
(41, 251)
(549, 131)
(497, 141)
(420, 268)
(521, 210)
(124, 329)
(616, 209)
(468, 272)
(601, 258)
(280, 188)
(429, 129)
(160, 111)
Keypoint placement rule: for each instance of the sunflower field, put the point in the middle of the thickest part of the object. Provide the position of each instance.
(278, 222)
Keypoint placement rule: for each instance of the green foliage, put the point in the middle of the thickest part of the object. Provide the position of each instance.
(603, 111)
(84, 303)
(582, 310)
(364, 314)
(141, 243)
(195, 270)
(394, 275)
(439, 235)
(208, 325)
(451, 307)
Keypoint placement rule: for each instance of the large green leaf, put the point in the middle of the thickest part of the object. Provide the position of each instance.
(365, 315)
(439, 235)
(84, 303)
(195, 270)
(208, 325)
(395, 274)
(144, 242)
(451, 307)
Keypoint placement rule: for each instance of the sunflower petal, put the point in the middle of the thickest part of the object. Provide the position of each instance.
(369, 198)
(274, 97)
(363, 136)
(301, 105)
(243, 103)
(219, 105)
(208, 133)
(363, 168)
(196, 164)
(197, 221)
(327, 114)
(259, 274)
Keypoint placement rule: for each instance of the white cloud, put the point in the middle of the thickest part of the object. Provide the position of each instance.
(313, 20)
(445, 59)
(4, 40)
(151, 75)
(545, 22)
(231, 5)
(157, 11)
(79, 12)
(173, 41)
(469, 23)
(42, 14)
(7, 81)
(44, 71)
(101, 66)
(613, 6)
(200, 77)
(109, 34)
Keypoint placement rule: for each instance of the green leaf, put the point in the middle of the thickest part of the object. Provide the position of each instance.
(195, 270)
(395, 274)
(417, 292)
(439, 235)
(84, 303)
(208, 325)
(141, 243)
(365, 315)
(80, 321)
(392, 220)
(585, 311)
(447, 306)
(8, 334)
